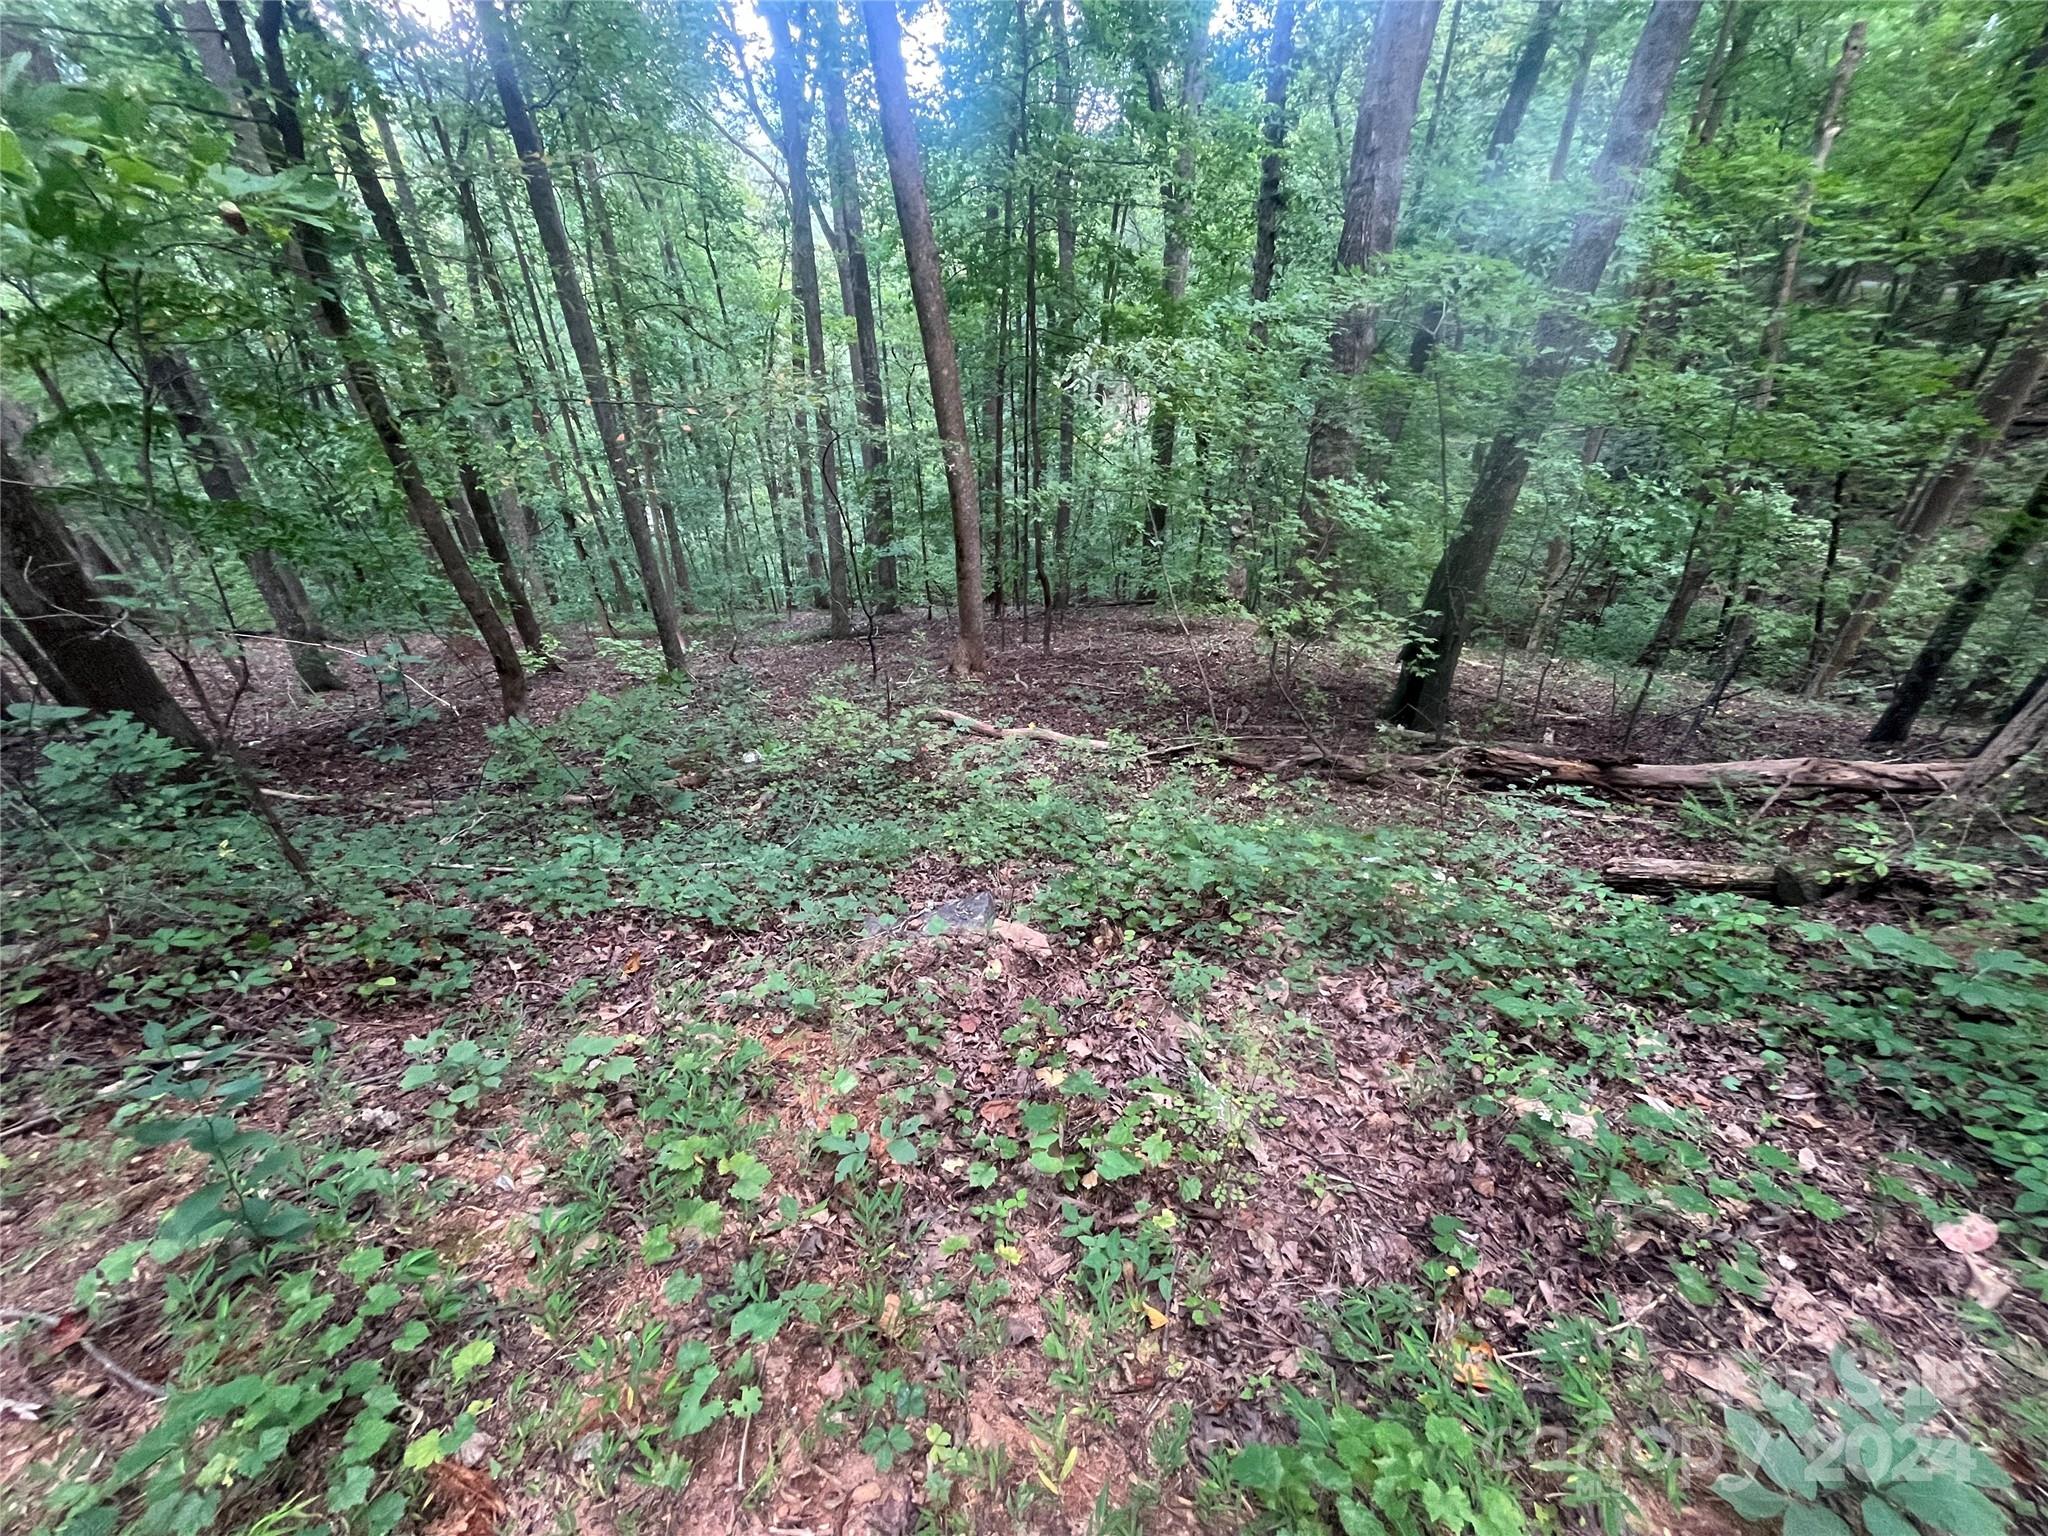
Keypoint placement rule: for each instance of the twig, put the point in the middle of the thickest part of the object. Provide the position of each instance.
(98, 1356)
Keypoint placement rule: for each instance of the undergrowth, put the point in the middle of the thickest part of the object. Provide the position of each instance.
(331, 1363)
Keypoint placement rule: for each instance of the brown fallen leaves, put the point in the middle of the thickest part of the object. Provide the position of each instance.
(468, 1501)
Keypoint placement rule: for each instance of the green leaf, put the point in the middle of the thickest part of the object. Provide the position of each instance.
(1814, 1520)
(1115, 1163)
(1946, 1505)
(470, 1359)
(1897, 944)
(1880, 1519)
(1748, 1497)
(760, 1320)
(1259, 1468)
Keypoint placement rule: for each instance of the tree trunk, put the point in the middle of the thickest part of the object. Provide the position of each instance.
(803, 264)
(865, 355)
(646, 423)
(928, 295)
(271, 94)
(1066, 326)
(1177, 199)
(1561, 157)
(2016, 749)
(2000, 404)
(1825, 132)
(427, 306)
(1272, 192)
(1395, 64)
(485, 262)
(67, 620)
(47, 674)
(224, 477)
(554, 239)
(1987, 574)
(1429, 662)
(1507, 123)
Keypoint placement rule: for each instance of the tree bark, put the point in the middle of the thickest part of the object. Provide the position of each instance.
(2018, 748)
(427, 306)
(1574, 103)
(1396, 61)
(1988, 572)
(1177, 199)
(646, 422)
(554, 239)
(66, 619)
(803, 265)
(928, 295)
(1422, 694)
(1272, 201)
(1067, 324)
(1507, 123)
(224, 477)
(271, 93)
(865, 355)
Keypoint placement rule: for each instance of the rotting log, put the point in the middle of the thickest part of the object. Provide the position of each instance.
(975, 727)
(1514, 766)
(1806, 775)
(1780, 883)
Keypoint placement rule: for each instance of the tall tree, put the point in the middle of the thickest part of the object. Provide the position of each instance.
(225, 478)
(569, 298)
(270, 94)
(426, 305)
(794, 121)
(1928, 512)
(1429, 661)
(934, 324)
(1272, 200)
(1180, 122)
(1396, 61)
(1999, 559)
(865, 353)
(1507, 123)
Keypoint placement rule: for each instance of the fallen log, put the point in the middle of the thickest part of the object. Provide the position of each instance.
(974, 727)
(1808, 775)
(1780, 883)
(1514, 766)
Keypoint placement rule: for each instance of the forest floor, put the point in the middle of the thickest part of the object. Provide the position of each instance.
(744, 1106)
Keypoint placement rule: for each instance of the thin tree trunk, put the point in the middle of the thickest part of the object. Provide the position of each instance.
(224, 477)
(1272, 201)
(865, 355)
(928, 295)
(1507, 123)
(1067, 323)
(554, 239)
(1177, 197)
(1574, 103)
(2019, 746)
(1422, 694)
(2000, 404)
(271, 94)
(803, 263)
(1988, 572)
(1395, 64)
(427, 306)
(646, 424)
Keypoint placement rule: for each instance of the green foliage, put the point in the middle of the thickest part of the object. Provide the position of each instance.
(1853, 1456)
